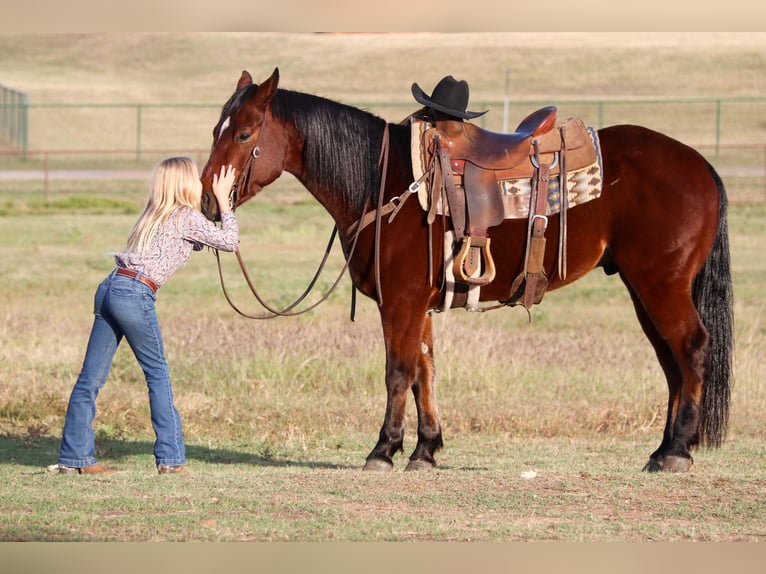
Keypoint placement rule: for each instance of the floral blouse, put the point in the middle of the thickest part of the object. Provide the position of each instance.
(185, 230)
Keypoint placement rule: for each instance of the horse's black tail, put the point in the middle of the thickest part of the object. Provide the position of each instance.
(712, 292)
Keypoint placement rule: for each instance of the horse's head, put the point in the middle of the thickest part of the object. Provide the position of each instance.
(242, 138)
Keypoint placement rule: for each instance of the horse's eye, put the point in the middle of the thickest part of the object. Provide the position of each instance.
(243, 137)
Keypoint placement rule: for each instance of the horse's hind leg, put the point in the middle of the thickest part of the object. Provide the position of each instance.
(680, 341)
(429, 426)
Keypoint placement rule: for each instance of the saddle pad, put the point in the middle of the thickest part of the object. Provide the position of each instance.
(583, 185)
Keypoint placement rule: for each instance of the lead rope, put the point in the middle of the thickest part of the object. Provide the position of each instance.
(287, 311)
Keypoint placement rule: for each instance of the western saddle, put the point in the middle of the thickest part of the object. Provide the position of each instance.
(465, 165)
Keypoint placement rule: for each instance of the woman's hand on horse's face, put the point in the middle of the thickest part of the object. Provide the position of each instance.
(222, 183)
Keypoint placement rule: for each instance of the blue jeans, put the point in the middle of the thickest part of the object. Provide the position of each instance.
(123, 307)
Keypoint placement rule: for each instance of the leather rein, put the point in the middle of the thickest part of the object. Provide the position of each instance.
(243, 181)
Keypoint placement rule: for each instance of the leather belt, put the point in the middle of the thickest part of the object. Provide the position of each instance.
(138, 277)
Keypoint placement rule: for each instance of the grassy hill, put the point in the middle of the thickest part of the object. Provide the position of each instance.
(203, 67)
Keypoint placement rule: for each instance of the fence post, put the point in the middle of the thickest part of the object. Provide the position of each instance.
(600, 114)
(13, 117)
(717, 126)
(45, 176)
(506, 99)
(23, 118)
(4, 114)
(139, 108)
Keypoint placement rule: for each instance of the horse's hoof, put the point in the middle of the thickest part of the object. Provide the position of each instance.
(677, 464)
(419, 464)
(652, 466)
(669, 464)
(378, 465)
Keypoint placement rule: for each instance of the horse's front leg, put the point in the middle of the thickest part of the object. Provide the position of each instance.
(402, 332)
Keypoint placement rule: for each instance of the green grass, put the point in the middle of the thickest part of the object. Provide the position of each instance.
(279, 415)
(496, 489)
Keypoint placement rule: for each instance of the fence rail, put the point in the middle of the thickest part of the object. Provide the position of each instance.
(51, 165)
(715, 122)
(742, 167)
(52, 141)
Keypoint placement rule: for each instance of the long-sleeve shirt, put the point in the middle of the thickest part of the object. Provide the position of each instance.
(184, 230)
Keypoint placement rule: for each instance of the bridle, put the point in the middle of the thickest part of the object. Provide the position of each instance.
(246, 174)
(242, 182)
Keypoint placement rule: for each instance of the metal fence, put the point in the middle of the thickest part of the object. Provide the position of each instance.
(14, 107)
(730, 132)
(697, 121)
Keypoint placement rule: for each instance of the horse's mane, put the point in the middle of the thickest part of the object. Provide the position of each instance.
(342, 143)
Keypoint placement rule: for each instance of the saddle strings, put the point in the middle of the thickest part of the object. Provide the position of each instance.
(563, 210)
(383, 162)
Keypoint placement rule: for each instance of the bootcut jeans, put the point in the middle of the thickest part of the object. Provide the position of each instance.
(123, 307)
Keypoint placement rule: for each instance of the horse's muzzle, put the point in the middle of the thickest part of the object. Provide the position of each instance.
(209, 206)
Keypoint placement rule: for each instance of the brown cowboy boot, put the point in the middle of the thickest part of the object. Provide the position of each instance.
(165, 469)
(97, 468)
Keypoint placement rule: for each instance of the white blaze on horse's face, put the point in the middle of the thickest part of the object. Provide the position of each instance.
(224, 125)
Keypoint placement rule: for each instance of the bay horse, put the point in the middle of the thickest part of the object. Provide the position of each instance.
(660, 225)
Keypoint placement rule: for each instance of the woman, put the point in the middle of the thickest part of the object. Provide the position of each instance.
(170, 227)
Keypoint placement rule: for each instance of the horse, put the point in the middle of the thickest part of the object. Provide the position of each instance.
(660, 225)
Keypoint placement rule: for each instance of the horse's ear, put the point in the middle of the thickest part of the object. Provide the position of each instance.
(244, 80)
(267, 89)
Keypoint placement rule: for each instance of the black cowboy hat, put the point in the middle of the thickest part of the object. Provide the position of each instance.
(449, 96)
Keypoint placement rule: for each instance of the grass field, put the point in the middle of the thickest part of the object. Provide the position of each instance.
(546, 424)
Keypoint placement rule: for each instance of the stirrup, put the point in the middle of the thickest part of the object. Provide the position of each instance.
(459, 266)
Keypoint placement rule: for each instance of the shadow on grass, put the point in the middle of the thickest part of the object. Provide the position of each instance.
(39, 452)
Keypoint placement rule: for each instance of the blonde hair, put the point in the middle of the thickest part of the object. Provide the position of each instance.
(175, 183)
